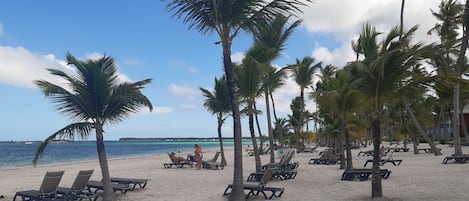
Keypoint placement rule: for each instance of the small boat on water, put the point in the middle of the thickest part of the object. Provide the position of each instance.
(28, 142)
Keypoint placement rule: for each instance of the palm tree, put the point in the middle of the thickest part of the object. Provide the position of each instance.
(303, 74)
(344, 99)
(249, 84)
(271, 39)
(93, 96)
(451, 15)
(227, 19)
(380, 72)
(218, 103)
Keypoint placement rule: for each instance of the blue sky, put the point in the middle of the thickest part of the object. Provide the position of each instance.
(147, 42)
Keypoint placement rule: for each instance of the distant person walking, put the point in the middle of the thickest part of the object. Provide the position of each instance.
(198, 155)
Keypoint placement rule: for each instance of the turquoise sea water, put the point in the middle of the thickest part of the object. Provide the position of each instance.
(15, 154)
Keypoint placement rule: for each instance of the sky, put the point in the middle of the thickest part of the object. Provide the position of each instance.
(147, 42)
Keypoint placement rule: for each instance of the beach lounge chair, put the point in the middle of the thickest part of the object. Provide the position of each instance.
(395, 162)
(77, 190)
(326, 158)
(47, 190)
(177, 162)
(284, 162)
(363, 174)
(213, 164)
(95, 186)
(131, 182)
(260, 188)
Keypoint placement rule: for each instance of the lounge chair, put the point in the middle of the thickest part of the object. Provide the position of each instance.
(213, 164)
(395, 162)
(77, 190)
(131, 182)
(47, 190)
(363, 174)
(327, 158)
(177, 162)
(99, 186)
(284, 162)
(260, 188)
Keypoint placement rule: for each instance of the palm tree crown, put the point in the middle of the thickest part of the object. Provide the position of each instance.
(93, 95)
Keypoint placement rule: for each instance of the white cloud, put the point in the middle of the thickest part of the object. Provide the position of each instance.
(162, 110)
(349, 17)
(20, 67)
(237, 57)
(189, 93)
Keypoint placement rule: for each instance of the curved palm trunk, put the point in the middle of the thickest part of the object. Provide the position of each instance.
(431, 142)
(103, 163)
(273, 105)
(222, 150)
(261, 137)
(257, 157)
(237, 192)
(269, 127)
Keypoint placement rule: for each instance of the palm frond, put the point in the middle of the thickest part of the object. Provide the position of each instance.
(70, 132)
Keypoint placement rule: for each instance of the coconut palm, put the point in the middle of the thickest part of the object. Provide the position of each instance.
(218, 103)
(227, 19)
(380, 72)
(271, 39)
(92, 96)
(450, 17)
(344, 99)
(303, 72)
(249, 84)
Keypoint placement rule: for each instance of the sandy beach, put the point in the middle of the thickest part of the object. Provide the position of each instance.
(419, 177)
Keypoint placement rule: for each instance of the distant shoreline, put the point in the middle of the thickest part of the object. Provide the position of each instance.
(178, 138)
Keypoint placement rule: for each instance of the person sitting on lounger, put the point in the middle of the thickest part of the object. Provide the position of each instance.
(198, 155)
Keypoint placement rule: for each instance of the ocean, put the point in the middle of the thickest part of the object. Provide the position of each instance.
(21, 154)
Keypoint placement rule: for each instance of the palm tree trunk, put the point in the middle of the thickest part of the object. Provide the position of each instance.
(261, 137)
(456, 128)
(348, 148)
(237, 192)
(269, 127)
(103, 163)
(273, 105)
(220, 138)
(257, 157)
(376, 187)
(431, 142)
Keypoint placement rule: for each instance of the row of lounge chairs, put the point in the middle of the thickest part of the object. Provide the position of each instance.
(179, 162)
(82, 187)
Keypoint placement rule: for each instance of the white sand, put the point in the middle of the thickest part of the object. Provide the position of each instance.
(419, 177)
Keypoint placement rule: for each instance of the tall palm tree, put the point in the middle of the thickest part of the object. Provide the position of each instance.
(271, 39)
(93, 96)
(227, 19)
(218, 103)
(343, 98)
(303, 72)
(450, 17)
(380, 72)
(249, 83)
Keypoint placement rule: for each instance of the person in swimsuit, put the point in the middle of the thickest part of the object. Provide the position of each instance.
(198, 155)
